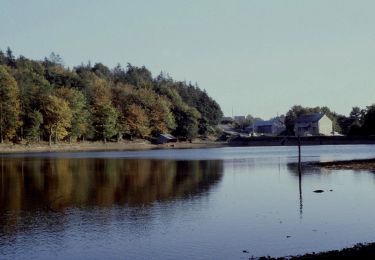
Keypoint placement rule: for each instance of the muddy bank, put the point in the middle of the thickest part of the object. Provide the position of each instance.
(363, 164)
(359, 251)
(100, 146)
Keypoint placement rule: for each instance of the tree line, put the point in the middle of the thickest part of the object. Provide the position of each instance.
(44, 100)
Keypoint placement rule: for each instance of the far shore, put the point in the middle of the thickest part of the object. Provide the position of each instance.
(101, 146)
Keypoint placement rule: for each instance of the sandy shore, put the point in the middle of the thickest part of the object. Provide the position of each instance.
(100, 146)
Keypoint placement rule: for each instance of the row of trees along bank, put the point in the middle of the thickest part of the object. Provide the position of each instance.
(43, 100)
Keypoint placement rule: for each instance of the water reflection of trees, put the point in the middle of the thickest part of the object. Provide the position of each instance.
(55, 184)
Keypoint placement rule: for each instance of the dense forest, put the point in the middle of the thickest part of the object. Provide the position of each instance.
(44, 100)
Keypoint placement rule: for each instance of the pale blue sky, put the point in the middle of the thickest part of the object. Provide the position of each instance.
(259, 57)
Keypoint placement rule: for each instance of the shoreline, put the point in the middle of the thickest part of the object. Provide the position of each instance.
(358, 164)
(141, 145)
(358, 251)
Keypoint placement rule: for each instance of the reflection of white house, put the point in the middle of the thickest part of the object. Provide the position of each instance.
(273, 126)
(313, 124)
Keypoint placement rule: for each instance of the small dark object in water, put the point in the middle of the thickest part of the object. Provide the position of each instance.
(245, 251)
(318, 191)
(288, 236)
(330, 190)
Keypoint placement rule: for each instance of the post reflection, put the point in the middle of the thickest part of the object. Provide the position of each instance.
(300, 190)
(296, 169)
(52, 184)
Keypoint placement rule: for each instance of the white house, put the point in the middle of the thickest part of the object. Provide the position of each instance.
(313, 124)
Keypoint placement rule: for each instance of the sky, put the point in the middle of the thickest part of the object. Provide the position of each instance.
(253, 57)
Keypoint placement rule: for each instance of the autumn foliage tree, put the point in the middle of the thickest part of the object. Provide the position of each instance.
(57, 118)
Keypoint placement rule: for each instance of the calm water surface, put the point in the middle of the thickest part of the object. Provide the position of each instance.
(182, 204)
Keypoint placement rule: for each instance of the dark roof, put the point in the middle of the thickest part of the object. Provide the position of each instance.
(270, 122)
(168, 136)
(311, 118)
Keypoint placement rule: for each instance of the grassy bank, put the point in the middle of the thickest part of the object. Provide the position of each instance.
(101, 146)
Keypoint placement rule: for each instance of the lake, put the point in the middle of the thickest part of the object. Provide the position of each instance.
(183, 203)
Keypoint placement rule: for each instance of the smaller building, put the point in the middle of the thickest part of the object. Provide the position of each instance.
(166, 138)
(313, 124)
(273, 126)
(226, 120)
(239, 119)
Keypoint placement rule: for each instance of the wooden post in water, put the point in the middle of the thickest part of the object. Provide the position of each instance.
(300, 176)
(299, 153)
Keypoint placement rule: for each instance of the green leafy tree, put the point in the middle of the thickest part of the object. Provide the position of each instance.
(33, 133)
(34, 90)
(368, 127)
(102, 71)
(187, 123)
(138, 77)
(9, 105)
(104, 115)
(106, 124)
(2, 58)
(80, 123)
(10, 59)
(357, 115)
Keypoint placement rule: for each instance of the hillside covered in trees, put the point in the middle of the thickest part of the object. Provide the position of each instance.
(44, 100)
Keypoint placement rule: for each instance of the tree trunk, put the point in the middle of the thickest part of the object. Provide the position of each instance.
(50, 139)
(56, 137)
